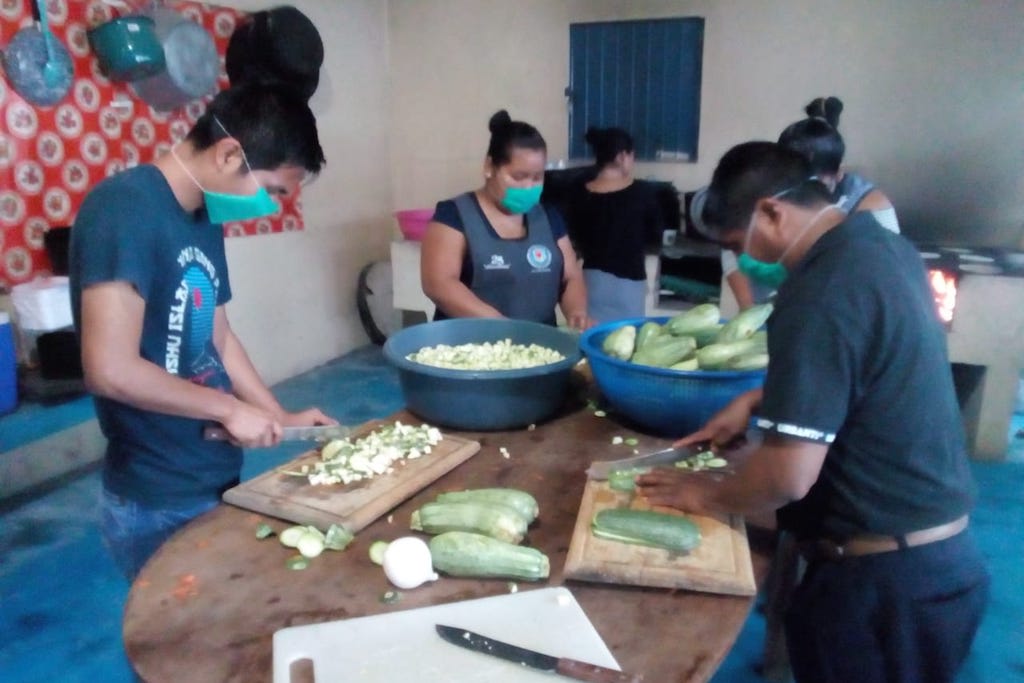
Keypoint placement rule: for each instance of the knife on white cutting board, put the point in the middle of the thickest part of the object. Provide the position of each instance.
(521, 656)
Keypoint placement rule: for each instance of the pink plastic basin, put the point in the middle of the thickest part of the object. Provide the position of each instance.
(413, 222)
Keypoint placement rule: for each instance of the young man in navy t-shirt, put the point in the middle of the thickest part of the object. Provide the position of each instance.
(149, 284)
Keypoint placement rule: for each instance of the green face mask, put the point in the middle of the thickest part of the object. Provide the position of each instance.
(771, 274)
(521, 199)
(767, 274)
(222, 207)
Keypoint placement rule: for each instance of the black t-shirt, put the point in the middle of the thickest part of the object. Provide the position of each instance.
(859, 361)
(612, 230)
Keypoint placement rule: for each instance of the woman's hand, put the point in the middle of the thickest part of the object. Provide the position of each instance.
(581, 322)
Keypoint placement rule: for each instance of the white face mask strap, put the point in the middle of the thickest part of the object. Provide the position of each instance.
(803, 231)
(184, 167)
(248, 166)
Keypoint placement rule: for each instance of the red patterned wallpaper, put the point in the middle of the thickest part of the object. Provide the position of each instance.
(51, 156)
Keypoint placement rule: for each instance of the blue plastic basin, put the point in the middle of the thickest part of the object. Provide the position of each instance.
(665, 402)
(482, 400)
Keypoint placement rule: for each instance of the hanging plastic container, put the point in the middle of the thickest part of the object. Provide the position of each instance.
(8, 366)
(127, 48)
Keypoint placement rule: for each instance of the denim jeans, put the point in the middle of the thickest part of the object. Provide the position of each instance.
(132, 532)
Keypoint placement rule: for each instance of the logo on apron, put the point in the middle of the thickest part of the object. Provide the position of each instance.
(497, 263)
(539, 256)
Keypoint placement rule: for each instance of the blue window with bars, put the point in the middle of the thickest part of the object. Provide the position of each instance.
(643, 76)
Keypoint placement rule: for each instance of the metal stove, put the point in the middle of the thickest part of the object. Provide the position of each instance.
(979, 293)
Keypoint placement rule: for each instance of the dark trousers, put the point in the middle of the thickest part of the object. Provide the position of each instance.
(906, 616)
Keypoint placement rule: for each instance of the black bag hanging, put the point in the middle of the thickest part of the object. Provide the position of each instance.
(279, 45)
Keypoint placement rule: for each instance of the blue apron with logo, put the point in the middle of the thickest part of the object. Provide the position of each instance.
(520, 277)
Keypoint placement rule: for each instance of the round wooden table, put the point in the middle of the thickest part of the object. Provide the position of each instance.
(207, 604)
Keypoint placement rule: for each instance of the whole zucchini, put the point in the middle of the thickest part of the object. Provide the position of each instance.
(621, 343)
(491, 519)
(648, 331)
(460, 553)
(697, 318)
(520, 501)
(717, 356)
(706, 335)
(687, 365)
(646, 527)
(745, 324)
(665, 351)
(755, 360)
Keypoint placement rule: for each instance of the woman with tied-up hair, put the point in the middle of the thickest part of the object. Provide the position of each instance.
(817, 138)
(496, 251)
(614, 220)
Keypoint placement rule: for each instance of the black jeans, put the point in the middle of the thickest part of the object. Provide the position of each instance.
(905, 616)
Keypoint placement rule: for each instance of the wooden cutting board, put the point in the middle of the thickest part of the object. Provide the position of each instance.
(353, 505)
(720, 564)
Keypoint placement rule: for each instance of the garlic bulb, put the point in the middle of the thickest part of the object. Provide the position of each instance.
(407, 562)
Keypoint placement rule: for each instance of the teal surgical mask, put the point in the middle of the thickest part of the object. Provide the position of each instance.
(521, 199)
(222, 207)
(771, 274)
(225, 208)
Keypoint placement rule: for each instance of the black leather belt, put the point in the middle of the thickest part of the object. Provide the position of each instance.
(869, 544)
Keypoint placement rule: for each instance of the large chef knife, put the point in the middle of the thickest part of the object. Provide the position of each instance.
(600, 469)
(317, 433)
(732, 452)
(572, 668)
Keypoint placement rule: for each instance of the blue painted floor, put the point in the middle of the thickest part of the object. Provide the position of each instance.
(61, 597)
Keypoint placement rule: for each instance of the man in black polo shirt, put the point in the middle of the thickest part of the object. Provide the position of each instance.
(863, 455)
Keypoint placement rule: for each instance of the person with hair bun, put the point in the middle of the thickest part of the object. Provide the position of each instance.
(817, 138)
(496, 251)
(613, 219)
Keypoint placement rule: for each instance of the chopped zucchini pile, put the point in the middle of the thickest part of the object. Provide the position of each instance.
(706, 460)
(499, 355)
(625, 479)
(343, 461)
(695, 340)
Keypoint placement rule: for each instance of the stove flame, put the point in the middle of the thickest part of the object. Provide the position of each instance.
(944, 289)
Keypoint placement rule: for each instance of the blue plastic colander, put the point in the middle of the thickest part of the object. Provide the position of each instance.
(665, 402)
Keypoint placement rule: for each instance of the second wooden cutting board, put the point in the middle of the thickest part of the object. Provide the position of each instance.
(355, 505)
(720, 564)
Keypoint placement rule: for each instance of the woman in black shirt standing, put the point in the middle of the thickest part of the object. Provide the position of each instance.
(612, 221)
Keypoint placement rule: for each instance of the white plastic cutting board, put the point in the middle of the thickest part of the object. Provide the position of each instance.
(403, 646)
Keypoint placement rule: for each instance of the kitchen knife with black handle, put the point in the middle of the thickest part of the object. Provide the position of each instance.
(522, 656)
